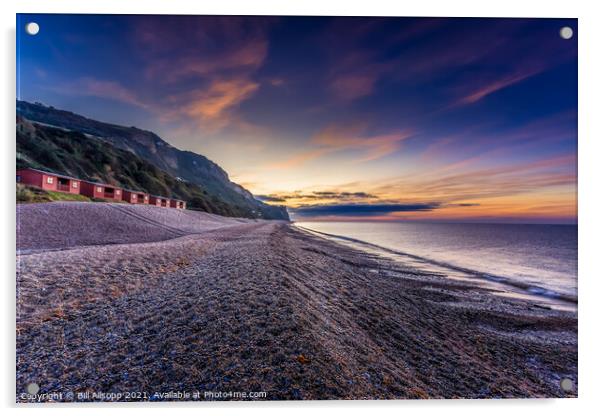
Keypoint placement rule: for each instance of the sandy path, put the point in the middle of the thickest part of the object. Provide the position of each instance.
(265, 307)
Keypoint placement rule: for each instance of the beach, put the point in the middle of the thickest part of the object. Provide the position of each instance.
(182, 301)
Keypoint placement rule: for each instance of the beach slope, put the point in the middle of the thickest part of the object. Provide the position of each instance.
(216, 305)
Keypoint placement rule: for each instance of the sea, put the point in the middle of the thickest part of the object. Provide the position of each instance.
(536, 262)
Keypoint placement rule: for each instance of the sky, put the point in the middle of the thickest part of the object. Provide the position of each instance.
(338, 118)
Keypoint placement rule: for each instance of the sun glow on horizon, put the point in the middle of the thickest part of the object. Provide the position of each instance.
(371, 118)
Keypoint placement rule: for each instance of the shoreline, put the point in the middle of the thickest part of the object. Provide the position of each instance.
(528, 291)
(263, 306)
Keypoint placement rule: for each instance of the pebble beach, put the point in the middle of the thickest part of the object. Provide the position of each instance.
(114, 298)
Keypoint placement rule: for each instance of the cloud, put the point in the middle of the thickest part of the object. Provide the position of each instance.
(496, 141)
(269, 198)
(352, 86)
(246, 57)
(295, 198)
(463, 182)
(214, 105)
(355, 65)
(298, 160)
(276, 82)
(201, 68)
(361, 209)
(343, 195)
(429, 51)
(195, 70)
(506, 81)
(179, 47)
(336, 138)
(93, 87)
(513, 64)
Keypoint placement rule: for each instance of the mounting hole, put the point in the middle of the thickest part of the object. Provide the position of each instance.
(32, 28)
(566, 384)
(33, 388)
(566, 32)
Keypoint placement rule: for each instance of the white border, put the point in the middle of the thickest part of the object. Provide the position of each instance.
(590, 153)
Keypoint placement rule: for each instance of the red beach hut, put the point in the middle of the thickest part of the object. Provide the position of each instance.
(100, 190)
(135, 197)
(159, 201)
(176, 203)
(48, 181)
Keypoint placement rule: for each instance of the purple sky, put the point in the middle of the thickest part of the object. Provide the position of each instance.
(338, 118)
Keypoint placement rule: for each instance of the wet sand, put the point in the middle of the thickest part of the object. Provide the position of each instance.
(261, 306)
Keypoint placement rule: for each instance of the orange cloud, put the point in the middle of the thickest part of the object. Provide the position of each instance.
(298, 160)
(214, 103)
(336, 138)
(499, 84)
(206, 63)
(540, 191)
(477, 184)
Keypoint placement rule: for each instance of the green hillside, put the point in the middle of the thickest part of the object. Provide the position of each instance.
(27, 193)
(75, 154)
(146, 145)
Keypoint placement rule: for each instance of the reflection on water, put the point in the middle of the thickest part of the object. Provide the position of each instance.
(527, 261)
